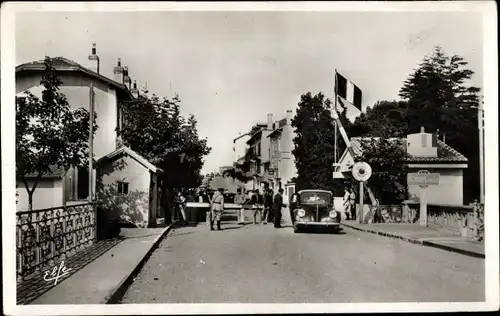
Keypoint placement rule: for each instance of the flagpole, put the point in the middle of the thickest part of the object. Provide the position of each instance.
(335, 109)
(91, 141)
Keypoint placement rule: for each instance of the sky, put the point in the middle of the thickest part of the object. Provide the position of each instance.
(231, 69)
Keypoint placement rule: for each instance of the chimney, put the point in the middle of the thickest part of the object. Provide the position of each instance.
(269, 121)
(118, 71)
(93, 60)
(422, 144)
(289, 115)
(126, 78)
(134, 90)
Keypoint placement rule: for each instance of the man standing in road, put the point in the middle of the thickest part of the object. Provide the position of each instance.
(347, 203)
(239, 199)
(277, 205)
(268, 205)
(217, 208)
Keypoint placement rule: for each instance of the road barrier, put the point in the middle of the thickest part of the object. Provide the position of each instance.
(193, 210)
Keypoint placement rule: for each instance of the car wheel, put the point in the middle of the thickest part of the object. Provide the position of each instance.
(335, 230)
(296, 229)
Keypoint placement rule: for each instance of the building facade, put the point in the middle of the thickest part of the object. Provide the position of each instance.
(281, 167)
(62, 187)
(426, 152)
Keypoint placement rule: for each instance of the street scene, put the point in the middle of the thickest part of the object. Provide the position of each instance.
(251, 157)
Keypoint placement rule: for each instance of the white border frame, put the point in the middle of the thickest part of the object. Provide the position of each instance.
(490, 84)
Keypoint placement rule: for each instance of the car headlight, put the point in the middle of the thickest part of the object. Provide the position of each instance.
(301, 212)
(332, 214)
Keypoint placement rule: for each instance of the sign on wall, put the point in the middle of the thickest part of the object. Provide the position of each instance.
(423, 179)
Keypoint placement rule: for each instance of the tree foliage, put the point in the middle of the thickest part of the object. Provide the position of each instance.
(49, 134)
(314, 143)
(155, 129)
(384, 119)
(438, 97)
(387, 158)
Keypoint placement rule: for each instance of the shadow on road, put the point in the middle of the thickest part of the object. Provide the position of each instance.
(233, 227)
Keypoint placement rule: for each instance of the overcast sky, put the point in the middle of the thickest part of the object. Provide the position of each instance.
(232, 68)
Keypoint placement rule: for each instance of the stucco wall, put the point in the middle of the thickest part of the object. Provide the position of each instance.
(287, 169)
(449, 191)
(76, 89)
(48, 193)
(240, 146)
(265, 146)
(133, 207)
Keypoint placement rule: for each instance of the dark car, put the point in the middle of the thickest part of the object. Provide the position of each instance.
(313, 208)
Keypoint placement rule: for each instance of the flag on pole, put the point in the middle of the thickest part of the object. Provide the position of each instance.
(348, 91)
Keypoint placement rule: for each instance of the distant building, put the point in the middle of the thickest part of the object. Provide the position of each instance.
(280, 170)
(259, 150)
(426, 152)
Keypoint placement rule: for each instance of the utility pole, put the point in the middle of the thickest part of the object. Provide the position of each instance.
(481, 148)
(91, 142)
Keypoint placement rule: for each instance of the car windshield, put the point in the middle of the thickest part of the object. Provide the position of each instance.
(315, 197)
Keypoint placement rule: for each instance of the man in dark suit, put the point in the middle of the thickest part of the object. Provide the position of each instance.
(277, 205)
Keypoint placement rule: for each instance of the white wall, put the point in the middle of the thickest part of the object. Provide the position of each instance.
(48, 193)
(240, 146)
(133, 207)
(76, 89)
(448, 192)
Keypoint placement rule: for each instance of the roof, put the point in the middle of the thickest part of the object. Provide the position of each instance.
(55, 173)
(64, 64)
(445, 152)
(275, 132)
(124, 150)
(254, 136)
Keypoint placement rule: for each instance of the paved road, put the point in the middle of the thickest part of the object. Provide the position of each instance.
(259, 264)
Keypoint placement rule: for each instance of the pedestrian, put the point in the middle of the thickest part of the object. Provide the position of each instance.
(277, 205)
(270, 216)
(266, 204)
(352, 201)
(239, 199)
(209, 198)
(256, 206)
(347, 203)
(180, 201)
(217, 209)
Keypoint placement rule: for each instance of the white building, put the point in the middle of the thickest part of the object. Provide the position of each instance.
(426, 153)
(70, 186)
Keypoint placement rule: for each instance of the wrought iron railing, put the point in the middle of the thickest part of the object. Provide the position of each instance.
(45, 236)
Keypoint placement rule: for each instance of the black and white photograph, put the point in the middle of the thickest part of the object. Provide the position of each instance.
(249, 157)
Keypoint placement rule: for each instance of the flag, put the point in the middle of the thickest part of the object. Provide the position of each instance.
(348, 91)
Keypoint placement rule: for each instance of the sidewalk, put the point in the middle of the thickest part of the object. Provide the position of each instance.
(427, 236)
(103, 280)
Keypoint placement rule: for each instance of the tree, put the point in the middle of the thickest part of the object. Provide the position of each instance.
(314, 143)
(49, 134)
(439, 97)
(154, 128)
(387, 158)
(384, 119)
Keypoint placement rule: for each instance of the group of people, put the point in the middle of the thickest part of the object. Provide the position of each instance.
(263, 205)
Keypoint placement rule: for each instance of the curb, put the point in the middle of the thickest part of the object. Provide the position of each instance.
(419, 242)
(117, 293)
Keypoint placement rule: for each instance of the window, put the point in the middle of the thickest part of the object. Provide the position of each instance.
(82, 186)
(122, 187)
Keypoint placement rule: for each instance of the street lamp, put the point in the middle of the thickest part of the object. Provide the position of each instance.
(480, 123)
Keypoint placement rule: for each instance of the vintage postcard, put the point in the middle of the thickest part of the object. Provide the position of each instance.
(249, 157)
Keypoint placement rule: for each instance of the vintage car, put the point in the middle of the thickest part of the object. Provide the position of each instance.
(310, 208)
